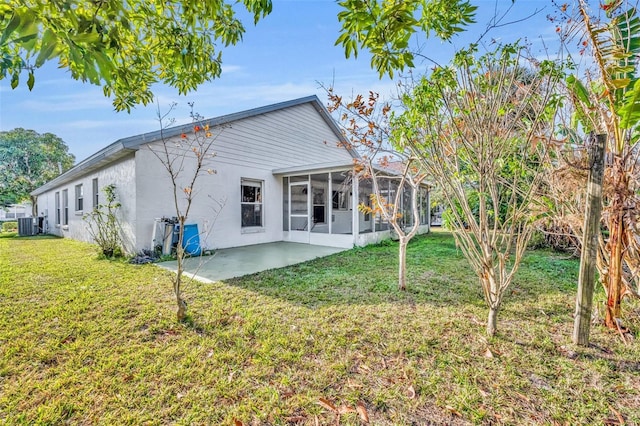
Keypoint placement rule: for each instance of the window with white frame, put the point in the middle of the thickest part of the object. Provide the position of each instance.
(57, 196)
(95, 193)
(65, 207)
(251, 203)
(79, 198)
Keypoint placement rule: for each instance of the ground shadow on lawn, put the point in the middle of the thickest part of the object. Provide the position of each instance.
(438, 274)
(15, 236)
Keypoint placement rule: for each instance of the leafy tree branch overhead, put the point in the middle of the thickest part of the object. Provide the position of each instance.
(124, 47)
(385, 27)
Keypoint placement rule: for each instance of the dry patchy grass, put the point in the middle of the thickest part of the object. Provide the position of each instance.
(88, 341)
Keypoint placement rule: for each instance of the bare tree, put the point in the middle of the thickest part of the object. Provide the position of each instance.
(479, 128)
(185, 159)
(365, 124)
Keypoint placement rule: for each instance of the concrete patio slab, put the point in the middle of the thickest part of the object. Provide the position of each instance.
(240, 261)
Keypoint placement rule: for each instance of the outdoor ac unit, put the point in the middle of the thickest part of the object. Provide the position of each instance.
(25, 226)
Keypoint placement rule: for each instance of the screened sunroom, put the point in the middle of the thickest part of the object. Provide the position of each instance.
(320, 206)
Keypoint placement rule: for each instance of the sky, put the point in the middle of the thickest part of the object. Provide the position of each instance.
(289, 54)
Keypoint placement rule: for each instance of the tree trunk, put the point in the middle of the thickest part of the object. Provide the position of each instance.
(402, 264)
(614, 284)
(181, 312)
(492, 321)
(34, 205)
(177, 287)
(591, 232)
(616, 244)
(182, 309)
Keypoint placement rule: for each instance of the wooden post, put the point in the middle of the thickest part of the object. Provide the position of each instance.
(590, 235)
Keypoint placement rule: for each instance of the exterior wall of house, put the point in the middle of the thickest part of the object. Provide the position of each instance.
(248, 149)
(120, 173)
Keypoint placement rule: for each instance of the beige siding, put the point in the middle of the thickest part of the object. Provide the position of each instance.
(284, 138)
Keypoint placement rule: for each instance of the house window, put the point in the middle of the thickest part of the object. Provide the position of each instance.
(251, 203)
(79, 198)
(65, 207)
(95, 193)
(57, 208)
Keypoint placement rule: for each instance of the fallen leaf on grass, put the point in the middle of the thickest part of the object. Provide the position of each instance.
(618, 415)
(237, 422)
(453, 411)
(327, 404)
(287, 393)
(345, 409)
(488, 353)
(364, 416)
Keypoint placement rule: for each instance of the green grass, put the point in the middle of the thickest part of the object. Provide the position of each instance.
(88, 341)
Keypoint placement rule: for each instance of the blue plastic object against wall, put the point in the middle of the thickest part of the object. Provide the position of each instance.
(191, 240)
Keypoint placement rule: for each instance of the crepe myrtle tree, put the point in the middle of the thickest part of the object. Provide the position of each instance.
(186, 159)
(365, 124)
(479, 128)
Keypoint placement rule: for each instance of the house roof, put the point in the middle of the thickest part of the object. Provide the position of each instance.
(126, 146)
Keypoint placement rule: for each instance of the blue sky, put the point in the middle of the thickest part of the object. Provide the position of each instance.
(286, 56)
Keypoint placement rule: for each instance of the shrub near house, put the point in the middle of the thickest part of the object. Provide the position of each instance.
(11, 226)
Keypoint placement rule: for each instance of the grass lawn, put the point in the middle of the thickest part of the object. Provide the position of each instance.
(88, 341)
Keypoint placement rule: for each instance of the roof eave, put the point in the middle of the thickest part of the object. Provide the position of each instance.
(107, 155)
(124, 146)
(314, 168)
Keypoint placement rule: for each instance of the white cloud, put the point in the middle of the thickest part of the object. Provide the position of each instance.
(231, 69)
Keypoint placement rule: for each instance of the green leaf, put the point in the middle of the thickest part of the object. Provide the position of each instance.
(630, 110)
(15, 79)
(578, 90)
(48, 48)
(86, 38)
(621, 83)
(31, 81)
(11, 27)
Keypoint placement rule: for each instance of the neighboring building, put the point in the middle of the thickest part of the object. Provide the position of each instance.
(282, 171)
(436, 215)
(15, 211)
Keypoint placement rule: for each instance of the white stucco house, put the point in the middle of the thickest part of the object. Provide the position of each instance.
(281, 170)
